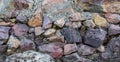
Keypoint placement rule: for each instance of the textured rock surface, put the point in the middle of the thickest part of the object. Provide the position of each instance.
(95, 37)
(71, 35)
(29, 56)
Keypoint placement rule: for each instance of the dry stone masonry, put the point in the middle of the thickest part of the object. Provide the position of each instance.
(59, 30)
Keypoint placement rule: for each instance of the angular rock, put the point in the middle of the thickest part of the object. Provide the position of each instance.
(20, 29)
(112, 51)
(13, 43)
(36, 21)
(3, 49)
(6, 24)
(113, 29)
(47, 23)
(70, 48)
(71, 35)
(4, 34)
(112, 18)
(27, 44)
(74, 58)
(100, 21)
(87, 15)
(60, 22)
(54, 49)
(95, 37)
(38, 31)
(29, 56)
(56, 38)
(85, 50)
(89, 23)
(49, 32)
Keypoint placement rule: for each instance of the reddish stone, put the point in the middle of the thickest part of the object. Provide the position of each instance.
(54, 49)
(112, 18)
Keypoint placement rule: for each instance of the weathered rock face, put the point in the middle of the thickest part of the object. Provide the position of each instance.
(29, 56)
(112, 50)
(54, 49)
(20, 29)
(71, 35)
(95, 37)
(4, 34)
(113, 29)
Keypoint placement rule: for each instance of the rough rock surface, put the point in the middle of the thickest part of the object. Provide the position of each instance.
(29, 56)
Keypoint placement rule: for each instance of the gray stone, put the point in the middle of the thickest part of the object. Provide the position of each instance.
(29, 56)
(4, 34)
(27, 44)
(74, 58)
(3, 49)
(71, 35)
(38, 31)
(21, 18)
(85, 50)
(95, 37)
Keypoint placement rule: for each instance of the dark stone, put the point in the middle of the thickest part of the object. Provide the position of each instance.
(95, 37)
(71, 35)
(20, 29)
(4, 34)
(3, 48)
(74, 58)
(112, 53)
(26, 45)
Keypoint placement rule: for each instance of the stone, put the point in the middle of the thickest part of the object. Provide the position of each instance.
(4, 34)
(60, 22)
(112, 50)
(111, 6)
(113, 29)
(29, 56)
(89, 23)
(113, 18)
(101, 48)
(35, 21)
(95, 37)
(74, 58)
(56, 38)
(100, 21)
(2, 58)
(54, 49)
(75, 17)
(21, 18)
(6, 24)
(71, 35)
(85, 50)
(70, 48)
(13, 43)
(47, 23)
(3, 49)
(20, 29)
(76, 24)
(49, 32)
(27, 44)
(38, 31)
(87, 15)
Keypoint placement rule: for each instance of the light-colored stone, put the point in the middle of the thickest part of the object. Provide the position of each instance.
(29, 56)
(76, 24)
(101, 48)
(70, 48)
(56, 38)
(60, 22)
(113, 29)
(49, 32)
(35, 21)
(85, 50)
(100, 21)
(76, 17)
(6, 24)
(38, 31)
